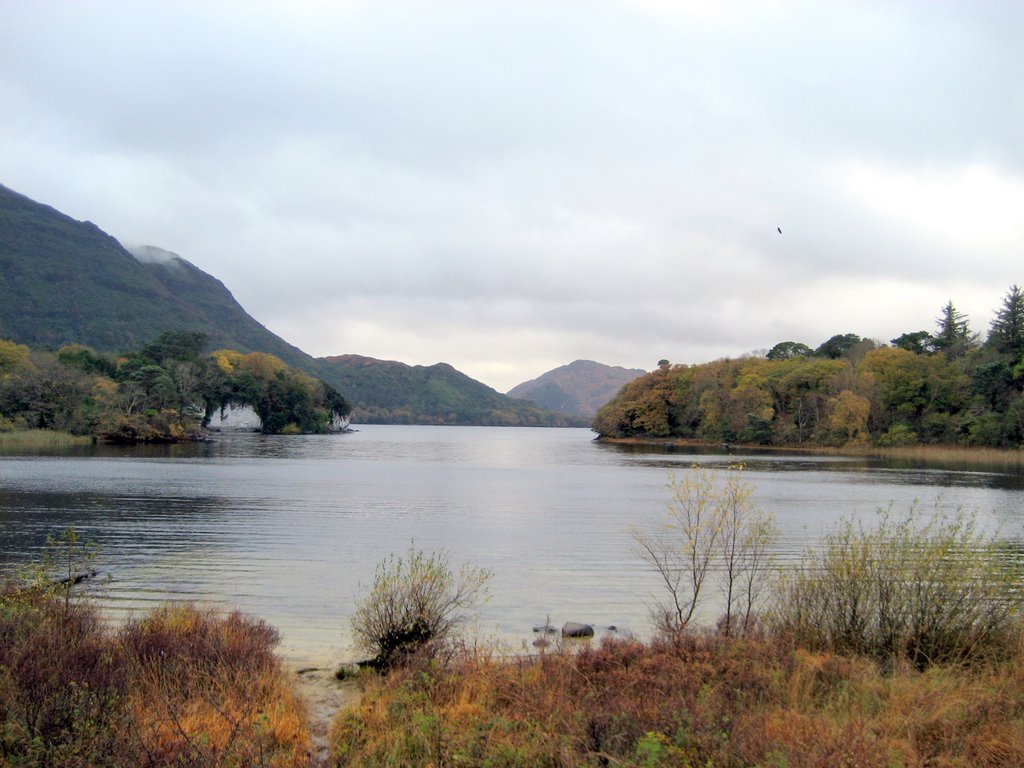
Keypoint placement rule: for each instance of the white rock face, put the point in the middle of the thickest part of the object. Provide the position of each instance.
(340, 423)
(235, 418)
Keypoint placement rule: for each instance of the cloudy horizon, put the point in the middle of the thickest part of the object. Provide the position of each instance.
(511, 186)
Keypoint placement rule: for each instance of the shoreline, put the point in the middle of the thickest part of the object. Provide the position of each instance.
(939, 454)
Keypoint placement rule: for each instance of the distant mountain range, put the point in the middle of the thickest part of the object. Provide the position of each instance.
(389, 392)
(577, 389)
(65, 281)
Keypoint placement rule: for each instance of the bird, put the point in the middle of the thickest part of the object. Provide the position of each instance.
(780, 230)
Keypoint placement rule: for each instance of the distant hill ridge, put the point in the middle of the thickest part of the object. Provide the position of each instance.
(66, 281)
(579, 388)
(386, 391)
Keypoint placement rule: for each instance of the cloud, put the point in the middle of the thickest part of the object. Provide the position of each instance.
(505, 185)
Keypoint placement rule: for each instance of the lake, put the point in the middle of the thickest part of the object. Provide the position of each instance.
(290, 528)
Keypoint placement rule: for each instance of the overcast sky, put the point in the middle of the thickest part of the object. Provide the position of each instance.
(510, 186)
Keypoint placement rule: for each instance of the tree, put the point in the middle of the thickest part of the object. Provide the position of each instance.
(175, 345)
(785, 350)
(954, 338)
(838, 345)
(712, 526)
(416, 602)
(1007, 331)
(918, 342)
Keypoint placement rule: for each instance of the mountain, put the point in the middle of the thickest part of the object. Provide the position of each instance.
(64, 281)
(579, 388)
(389, 392)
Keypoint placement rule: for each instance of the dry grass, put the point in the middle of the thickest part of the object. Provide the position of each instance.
(38, 439)
(950, 455)
(693, 702)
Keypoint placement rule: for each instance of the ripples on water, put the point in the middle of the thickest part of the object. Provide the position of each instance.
(288, 527)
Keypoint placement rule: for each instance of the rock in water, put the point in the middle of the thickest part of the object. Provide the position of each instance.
(575, 629)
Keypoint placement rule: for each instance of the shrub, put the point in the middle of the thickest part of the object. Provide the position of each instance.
(416, 602)
(62, 683)
(713, 529)
(930, 591)
(208, 690)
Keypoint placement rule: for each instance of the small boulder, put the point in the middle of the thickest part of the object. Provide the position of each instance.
(575, 629)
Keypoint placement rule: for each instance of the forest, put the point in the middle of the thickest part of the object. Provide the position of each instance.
(165, 391)
(943, 387)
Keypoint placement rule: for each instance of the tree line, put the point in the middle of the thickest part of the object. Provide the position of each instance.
(165, 391)
(943, 387)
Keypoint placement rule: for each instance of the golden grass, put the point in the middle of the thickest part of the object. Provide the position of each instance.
(701, 701)
(32, 439)
(947, 455)
(954, 455)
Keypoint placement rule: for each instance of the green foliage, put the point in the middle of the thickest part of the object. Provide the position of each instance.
(784, 350)
(66, 281)
(850, 392)
(918, 342)
(954, 338)
(160, 393)
(389, 392)
(929, 589)
(838, 345)
(1007, 330)
(415, 604)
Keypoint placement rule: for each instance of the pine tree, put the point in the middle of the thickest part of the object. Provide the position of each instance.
(954, 337)
(1007, 331)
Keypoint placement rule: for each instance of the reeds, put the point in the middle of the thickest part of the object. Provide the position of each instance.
(39, 439)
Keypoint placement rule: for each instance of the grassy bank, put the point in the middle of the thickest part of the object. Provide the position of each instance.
(185, 687)
(37, 439)
(945, 455)
(695, 701)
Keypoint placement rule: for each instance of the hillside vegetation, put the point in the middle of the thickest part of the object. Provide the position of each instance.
(164, 391)
(64, 281)
(389, 392)
(941, 388)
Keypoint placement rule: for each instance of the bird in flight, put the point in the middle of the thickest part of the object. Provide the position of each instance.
(780, 230)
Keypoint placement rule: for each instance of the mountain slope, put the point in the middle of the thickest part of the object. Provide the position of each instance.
(63, 281)
(389, 392)
(579, 388)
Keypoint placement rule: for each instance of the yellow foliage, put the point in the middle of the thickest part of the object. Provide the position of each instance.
(226, 359)
(12, 355)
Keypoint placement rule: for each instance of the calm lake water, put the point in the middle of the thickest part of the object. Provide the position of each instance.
(290, 527)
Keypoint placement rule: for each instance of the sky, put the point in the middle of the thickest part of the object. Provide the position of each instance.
(511, 186)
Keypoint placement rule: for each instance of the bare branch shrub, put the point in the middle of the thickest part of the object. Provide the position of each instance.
(925, 589)
(713, 531)
(415, 603)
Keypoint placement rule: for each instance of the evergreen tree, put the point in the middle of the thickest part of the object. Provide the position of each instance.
(954, 338)
(1007, 331)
